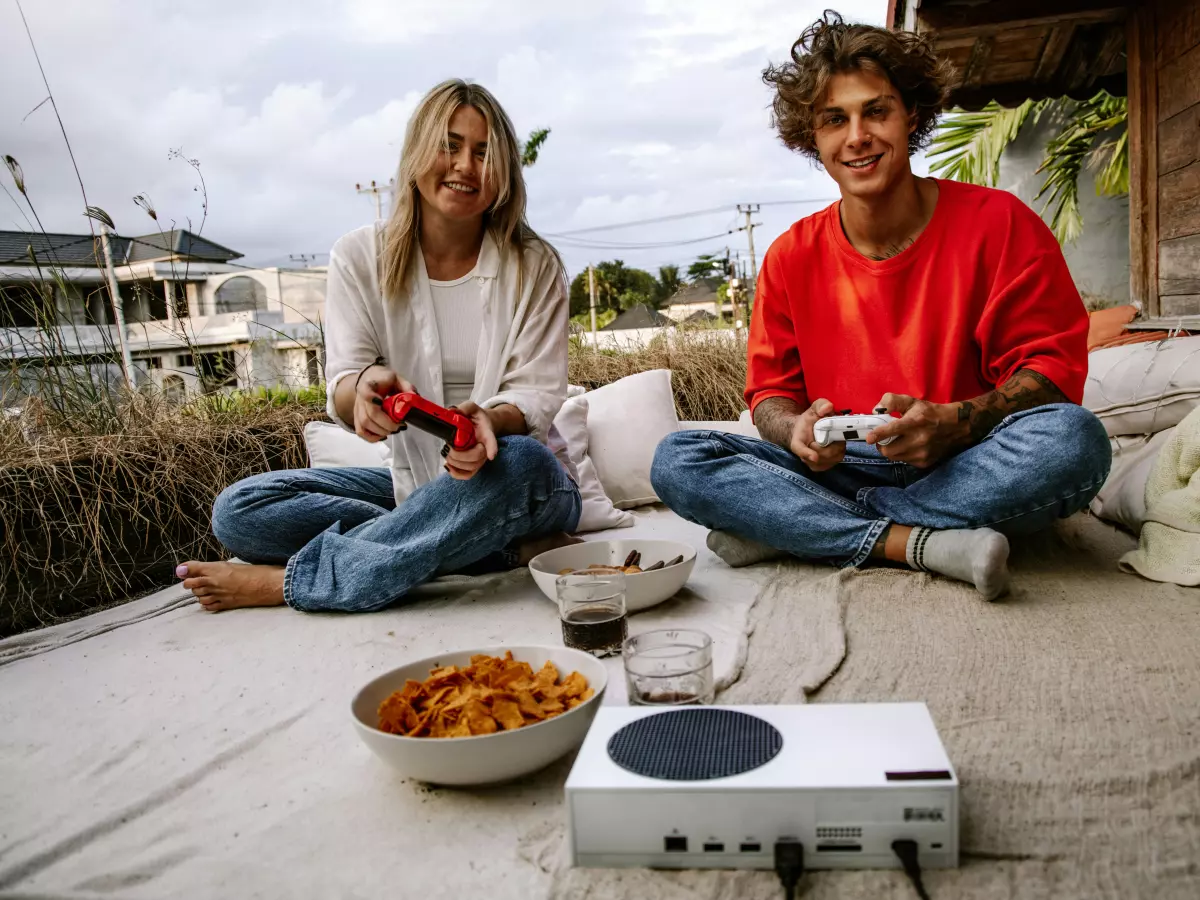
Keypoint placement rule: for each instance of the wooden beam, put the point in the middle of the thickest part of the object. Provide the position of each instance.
(1057, 42)
(1143, 160)
(972, 75)
(1110, 49)
(1179, 266)
(1179, 140)
(991, 17)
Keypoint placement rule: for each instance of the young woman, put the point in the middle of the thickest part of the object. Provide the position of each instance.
(457, 299)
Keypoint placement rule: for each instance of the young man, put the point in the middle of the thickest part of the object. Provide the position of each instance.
(947, 305)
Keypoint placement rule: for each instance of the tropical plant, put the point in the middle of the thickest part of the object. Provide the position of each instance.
(669, 283)
(707, 265)
(1092, 133)
(529, 150)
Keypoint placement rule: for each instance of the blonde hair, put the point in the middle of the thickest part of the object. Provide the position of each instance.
(427, 130)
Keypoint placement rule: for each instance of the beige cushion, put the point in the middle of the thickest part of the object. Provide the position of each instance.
(598, 512)
(626, 421)
(1139, 389)
(331, 447)
(1123, 498)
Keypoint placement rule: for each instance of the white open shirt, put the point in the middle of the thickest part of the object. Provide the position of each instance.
(522, 357)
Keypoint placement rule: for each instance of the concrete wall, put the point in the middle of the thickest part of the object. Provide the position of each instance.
(1099, 258)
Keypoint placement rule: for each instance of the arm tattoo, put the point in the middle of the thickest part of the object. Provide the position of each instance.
(1024, 390)
(774, 418)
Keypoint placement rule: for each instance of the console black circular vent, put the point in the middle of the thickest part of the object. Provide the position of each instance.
(695, 744)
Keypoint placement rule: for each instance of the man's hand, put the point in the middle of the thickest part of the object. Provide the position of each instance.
(805, 446)
(924, 434)
(371, 423)
(464, 464)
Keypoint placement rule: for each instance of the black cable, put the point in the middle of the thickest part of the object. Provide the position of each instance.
(789, 865)
(906, 850)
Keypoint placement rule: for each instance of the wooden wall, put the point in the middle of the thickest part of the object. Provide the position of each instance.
(1164, 56)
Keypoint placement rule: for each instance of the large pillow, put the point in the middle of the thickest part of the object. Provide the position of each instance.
(331, 447)
(1143, 389)
(626, 421)
(1123, 498)
(598, 512)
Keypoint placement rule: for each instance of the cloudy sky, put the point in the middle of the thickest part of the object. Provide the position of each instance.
(656, 108)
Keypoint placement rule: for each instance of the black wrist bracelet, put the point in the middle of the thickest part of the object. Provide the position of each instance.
(379, 361)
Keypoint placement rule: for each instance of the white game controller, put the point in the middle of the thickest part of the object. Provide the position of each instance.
(848, 428)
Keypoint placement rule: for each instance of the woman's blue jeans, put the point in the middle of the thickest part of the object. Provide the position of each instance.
(347, 546)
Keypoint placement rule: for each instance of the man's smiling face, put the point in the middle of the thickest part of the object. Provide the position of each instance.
(862, 130)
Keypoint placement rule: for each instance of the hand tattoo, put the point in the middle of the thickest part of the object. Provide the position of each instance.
(774, 418)
(1024, 390)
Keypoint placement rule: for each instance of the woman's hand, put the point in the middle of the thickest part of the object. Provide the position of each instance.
(371, 423)
(463, 464)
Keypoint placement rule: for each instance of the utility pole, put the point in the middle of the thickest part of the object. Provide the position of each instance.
(734, 285)
(592, 303)
(749, 209)
(378, 191)
(118, 307)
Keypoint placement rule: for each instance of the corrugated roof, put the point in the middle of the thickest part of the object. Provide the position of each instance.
(16, 248)
(640, 316)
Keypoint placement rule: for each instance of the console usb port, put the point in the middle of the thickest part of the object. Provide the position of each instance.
(674, 843)
(714, 848)
(750, 848)
(839, 848)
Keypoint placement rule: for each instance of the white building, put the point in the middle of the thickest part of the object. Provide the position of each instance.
(195, 320)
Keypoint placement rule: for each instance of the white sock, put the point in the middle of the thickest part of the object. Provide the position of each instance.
(978, 556)
(739, 551)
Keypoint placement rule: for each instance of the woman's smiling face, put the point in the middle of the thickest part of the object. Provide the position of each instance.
(456, 184)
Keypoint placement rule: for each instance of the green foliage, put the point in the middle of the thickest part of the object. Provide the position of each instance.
(968, 147)
(618, 287)
(529, 150)
(707, 265)
(669, 284)
(603, 317)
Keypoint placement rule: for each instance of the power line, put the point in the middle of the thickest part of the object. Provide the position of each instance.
(686, 215)
(655, 245)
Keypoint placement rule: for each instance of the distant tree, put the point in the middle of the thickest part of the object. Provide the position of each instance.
(529, 150)
(618, 287)
(669, 284)
(707, 265)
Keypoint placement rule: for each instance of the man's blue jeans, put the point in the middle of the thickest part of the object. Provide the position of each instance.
(1034, 467)
(347, 546)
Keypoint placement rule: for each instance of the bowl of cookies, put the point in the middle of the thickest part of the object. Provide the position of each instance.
(654, 570)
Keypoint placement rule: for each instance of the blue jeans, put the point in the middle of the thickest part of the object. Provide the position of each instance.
(1034, 467)
(347, 546)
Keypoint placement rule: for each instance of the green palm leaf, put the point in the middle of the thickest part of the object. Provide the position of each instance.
(970, 144)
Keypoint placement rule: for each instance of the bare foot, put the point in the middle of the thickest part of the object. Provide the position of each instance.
(530, 548)
(222, 585)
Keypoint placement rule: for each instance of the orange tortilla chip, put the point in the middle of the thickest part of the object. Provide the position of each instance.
(489, 695)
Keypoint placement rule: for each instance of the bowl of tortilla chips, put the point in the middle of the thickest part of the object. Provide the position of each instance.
(472, 717)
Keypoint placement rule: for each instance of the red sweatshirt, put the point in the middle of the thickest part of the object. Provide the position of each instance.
(983, 292)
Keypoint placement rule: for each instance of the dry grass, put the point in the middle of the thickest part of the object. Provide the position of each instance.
(708, 370)
(86, 520)
(96, 509)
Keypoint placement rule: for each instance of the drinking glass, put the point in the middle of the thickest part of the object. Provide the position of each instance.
(671, 667)
(592, 610)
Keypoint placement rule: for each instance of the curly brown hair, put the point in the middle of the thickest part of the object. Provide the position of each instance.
(830, 46)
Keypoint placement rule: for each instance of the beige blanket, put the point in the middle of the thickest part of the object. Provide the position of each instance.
(1169, 545)
(187, 755)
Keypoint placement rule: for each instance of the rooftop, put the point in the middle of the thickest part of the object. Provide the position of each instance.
(37, 248)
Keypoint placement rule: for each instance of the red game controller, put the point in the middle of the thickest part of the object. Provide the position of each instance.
(448, 424)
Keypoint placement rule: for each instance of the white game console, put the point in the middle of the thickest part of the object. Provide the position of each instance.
(717, 786)
(848, 428)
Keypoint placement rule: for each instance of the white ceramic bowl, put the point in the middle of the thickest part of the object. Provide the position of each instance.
(643, 589)
(485, 758)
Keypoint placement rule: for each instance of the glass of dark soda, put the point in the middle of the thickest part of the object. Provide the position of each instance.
(592, 610)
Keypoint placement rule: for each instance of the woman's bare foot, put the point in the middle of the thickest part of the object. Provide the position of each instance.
(530, 548)
(222, 585)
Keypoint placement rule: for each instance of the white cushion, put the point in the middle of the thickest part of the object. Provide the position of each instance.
(626, 421)
(1123, 498)
(1139, 389)
(598, 512)
(575, 390)
(332, 447)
